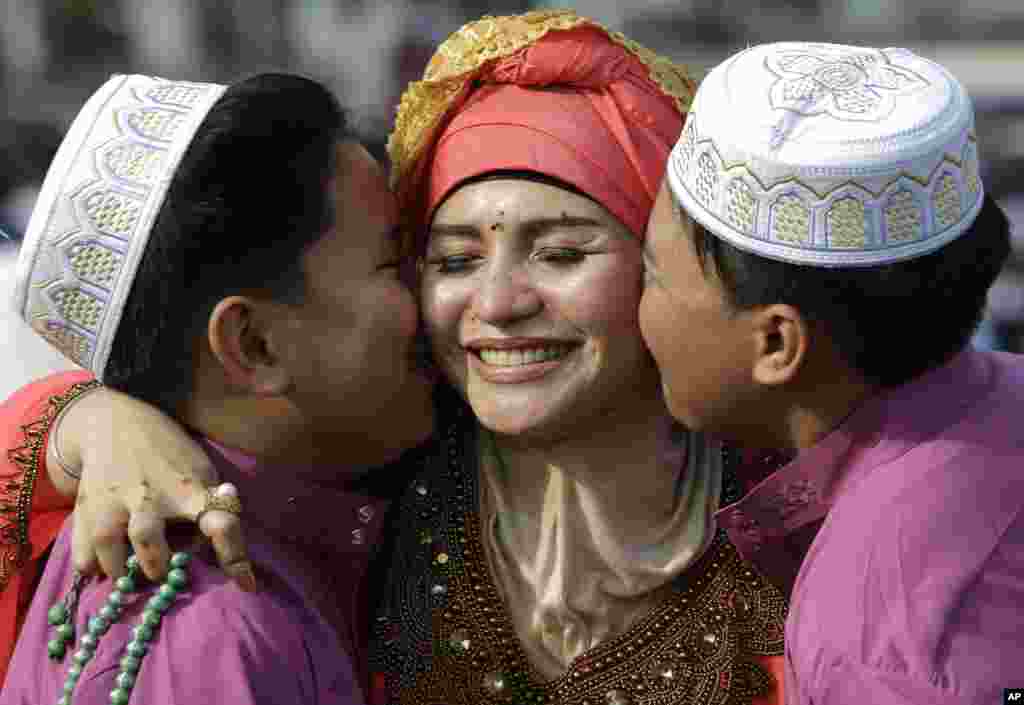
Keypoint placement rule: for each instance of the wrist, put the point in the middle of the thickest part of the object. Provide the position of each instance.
(63, 448)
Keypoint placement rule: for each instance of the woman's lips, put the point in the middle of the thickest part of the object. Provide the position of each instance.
(516, 374)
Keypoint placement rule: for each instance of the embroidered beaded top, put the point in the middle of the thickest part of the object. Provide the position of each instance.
(442, 634)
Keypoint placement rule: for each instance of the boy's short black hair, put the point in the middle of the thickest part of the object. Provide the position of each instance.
(249, 197)
(890, 323)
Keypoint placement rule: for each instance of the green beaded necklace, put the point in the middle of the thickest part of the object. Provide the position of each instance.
(62, 617)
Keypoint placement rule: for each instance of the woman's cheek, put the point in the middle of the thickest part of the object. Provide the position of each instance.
(599, 300)
(443, 306)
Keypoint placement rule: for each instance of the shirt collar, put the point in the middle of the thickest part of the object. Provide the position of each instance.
(287, 503)
(775, 522)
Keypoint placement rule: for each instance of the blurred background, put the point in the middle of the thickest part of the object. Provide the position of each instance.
(54, 53)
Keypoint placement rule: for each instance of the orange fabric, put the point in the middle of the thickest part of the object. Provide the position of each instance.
(48, 508)
(775, 665)
(575, 106)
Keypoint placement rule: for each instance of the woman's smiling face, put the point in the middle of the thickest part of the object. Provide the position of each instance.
(530, 296)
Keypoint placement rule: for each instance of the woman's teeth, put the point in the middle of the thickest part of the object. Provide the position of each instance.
(512, 358)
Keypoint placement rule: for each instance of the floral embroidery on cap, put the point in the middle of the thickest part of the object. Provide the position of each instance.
(848, 85)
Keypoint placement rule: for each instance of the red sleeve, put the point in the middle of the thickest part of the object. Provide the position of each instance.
(775, 665)
(31, 509)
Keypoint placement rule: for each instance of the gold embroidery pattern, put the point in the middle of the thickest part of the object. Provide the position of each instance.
(74, 345)
(741, 208)
(947, 202)
(791, 220)
(846, 223)
(695, 648)
(461, 57)
(903, 219)
(79, 307)
(16, 493)
(442, 635)
(94, 263)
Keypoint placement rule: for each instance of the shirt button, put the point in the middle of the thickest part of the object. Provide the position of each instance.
(357, 537)
(365, 513)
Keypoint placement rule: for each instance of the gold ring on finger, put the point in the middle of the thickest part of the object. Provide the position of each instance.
(222, 498)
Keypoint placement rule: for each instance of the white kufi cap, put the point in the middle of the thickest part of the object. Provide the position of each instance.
(97, 206)
(828, 155)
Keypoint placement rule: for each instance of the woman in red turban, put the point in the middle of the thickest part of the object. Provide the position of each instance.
(561, 544)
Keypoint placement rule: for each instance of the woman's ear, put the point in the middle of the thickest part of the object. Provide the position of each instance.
(239, 333)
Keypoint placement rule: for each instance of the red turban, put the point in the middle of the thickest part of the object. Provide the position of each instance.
(566, 99)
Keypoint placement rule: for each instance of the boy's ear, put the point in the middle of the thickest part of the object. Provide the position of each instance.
(239, 334)
(781, 340)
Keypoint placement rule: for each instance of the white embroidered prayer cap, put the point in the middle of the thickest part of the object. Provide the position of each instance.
(97, 206)
(828, 155)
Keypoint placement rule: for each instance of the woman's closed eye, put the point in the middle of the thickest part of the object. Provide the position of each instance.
(560, 255)
(452, 264)
(459, 264)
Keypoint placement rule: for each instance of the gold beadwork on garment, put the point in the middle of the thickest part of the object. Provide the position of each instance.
(697, 647)
(16, 494)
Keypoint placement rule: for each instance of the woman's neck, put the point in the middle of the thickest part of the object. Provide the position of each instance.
(629, 464)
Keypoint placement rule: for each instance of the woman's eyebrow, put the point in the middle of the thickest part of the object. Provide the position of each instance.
(533, 226)
(539, 226)
(459, 231)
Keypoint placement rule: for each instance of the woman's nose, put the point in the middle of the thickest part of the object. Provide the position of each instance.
(506, 295)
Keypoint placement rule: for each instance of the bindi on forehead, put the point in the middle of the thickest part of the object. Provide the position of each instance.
(497, 226)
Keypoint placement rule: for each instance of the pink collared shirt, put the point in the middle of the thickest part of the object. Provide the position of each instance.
(299, 640)
(912, 590)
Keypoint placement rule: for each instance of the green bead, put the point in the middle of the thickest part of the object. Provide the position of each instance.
(151, 618)
(69, 686)
(131, 664)
(137, 649)
(115, 598)
(66, 632)
(110, 613)
(159, 603)
(88, 642)
(177, 578)
(56, 648)
(126, 681)
(132, 564)
(57, 614)
(143, 633)
(180, 559)
(75, 671)
(119, 696)
(125, 584)
(98, 626)
(82, 657)
(168, 591)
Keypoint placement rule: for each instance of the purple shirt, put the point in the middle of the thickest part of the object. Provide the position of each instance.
(912, 592)
(297, 640)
